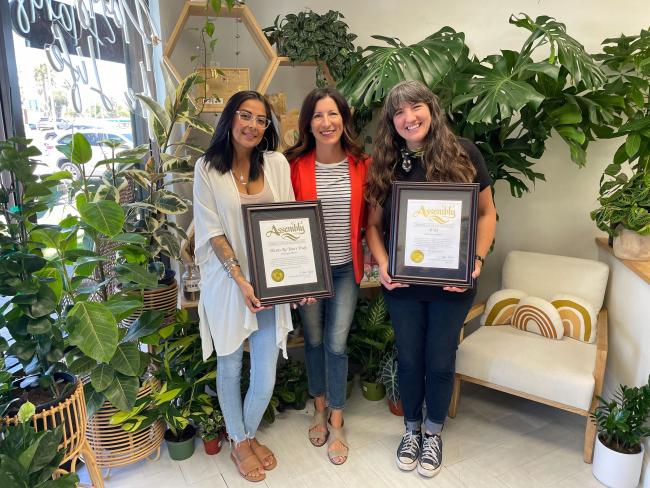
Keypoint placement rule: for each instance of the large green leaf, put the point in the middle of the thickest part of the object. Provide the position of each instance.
(123, 391)
(102, 376)
(123, 306)
(94, 399)
(498, 92)
(127, 359)
(106, 216)
(78, 150)
(168, 241)
(93, 329)
(131, 272)
(148, 323)
(154, 107)
(570, 53)
(169, 203)
(429, 61)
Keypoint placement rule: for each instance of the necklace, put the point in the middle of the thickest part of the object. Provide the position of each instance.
(407, 164)
(240, 178)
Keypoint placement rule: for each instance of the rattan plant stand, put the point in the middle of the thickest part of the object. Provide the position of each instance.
(71, 414)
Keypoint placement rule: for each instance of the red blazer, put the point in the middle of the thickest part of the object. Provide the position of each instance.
(303, 178)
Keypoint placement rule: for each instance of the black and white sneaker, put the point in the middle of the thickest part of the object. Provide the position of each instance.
(408, 451)
(431, 455)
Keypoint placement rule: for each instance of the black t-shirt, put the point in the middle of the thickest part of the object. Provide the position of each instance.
(418, 174)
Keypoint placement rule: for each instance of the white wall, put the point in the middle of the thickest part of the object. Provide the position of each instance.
(554, 217)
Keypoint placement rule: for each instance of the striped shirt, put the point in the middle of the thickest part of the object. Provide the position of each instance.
(333, 190)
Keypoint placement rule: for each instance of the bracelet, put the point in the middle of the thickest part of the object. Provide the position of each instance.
(481, 259)
(228, 264)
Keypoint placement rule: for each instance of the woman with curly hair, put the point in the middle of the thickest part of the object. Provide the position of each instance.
(415, 144)
(327, 163)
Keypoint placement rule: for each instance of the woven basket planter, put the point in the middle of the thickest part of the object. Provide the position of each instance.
(164, 298)
(113, 446)
(71, 413)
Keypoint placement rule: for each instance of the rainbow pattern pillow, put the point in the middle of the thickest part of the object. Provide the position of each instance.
(578, 317)
(538, 316)
(500, 306)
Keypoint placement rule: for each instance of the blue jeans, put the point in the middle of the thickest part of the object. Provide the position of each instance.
(242, 423)
(426, 334)
(326, 324)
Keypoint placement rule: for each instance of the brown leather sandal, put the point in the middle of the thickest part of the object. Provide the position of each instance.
(263, 453)
(247, 462)
(318, 438)
(337, 434)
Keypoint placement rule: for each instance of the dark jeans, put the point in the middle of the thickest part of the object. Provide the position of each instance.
(426, 334)
(326, 325)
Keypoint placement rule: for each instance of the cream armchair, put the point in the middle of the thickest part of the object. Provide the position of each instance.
(567, 373)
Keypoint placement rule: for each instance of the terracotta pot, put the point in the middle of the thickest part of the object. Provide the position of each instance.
(213, 446)
(396, 408)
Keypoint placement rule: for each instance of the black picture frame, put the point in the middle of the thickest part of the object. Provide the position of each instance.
(264, 215)
(460, 276)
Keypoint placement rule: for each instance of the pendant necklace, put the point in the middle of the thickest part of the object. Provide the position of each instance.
(241, 178)
(407, 164)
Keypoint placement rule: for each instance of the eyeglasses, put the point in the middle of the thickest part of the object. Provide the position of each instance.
(260, 120)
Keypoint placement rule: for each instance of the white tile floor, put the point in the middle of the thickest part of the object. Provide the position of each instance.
(496, 440)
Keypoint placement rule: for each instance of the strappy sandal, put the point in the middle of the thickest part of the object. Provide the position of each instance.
(337, 434)
(262, 452)
(247, 464)
(316, 437)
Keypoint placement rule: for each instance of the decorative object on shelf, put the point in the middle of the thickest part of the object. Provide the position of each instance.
(31, 458)
(289, 128)
(115, 447)
(221, 84)
(622, 426)
(278, 102)
(191, 280)
(308, 36)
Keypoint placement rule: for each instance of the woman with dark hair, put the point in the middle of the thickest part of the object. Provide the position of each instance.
(240, 167)
(414, 143)
(327, 164)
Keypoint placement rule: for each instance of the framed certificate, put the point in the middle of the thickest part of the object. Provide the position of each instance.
(433, 233)
(287, 251)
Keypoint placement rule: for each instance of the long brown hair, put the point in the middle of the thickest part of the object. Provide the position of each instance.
(443, 157)
(306, 141)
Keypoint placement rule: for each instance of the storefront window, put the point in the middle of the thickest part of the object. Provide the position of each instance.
(79, 64)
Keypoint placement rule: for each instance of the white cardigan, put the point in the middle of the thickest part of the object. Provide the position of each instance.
(225, 321)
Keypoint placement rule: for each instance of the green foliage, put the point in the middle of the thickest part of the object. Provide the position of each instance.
(622, 421)
(308, 36)
(508, 103)
(28, 459)
(624, 194)
(370, 336)
(291, 387)
(388, 375)
(211, 426)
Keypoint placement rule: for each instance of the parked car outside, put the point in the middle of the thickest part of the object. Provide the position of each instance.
(100, 152)
(45, 123)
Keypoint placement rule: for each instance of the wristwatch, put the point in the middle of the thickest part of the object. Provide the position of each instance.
(481, 259)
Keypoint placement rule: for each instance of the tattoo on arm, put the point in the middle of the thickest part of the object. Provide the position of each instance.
(223, 250)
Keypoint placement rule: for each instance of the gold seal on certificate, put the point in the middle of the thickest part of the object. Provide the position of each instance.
(433, 233)
(287, 251)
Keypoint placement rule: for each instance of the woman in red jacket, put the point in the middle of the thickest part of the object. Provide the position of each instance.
(327, 164)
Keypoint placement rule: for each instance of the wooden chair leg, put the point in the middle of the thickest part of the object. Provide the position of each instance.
(91, 464)
(455, 397)
(590, 438)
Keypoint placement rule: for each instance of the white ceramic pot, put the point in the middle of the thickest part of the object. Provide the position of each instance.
(631, 245)
(615, 469)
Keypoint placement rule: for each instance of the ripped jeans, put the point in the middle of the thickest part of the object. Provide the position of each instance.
(242, 421)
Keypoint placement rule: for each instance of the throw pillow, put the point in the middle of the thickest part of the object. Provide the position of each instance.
(538, 316)
(500, 306)
(578, 317)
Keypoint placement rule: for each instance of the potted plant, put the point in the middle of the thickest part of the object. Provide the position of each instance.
(370, 336)
(211, 430)
(388, 378)
(624, 195)
(29, 458)
(622, 426)
(291, 386)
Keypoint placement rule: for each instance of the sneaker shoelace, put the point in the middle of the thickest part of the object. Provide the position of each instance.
(431, 450)
(410, 445)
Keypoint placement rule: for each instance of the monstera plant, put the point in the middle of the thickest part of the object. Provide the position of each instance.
(509, 103)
